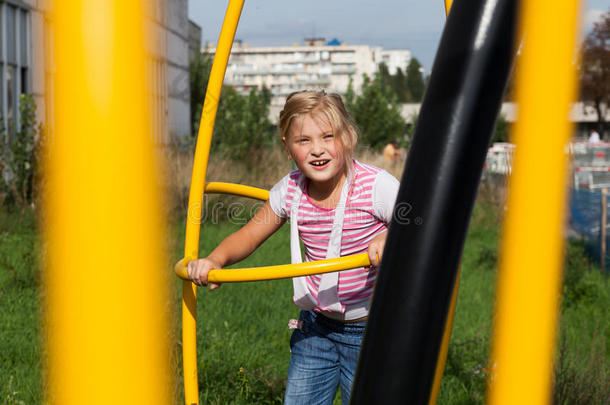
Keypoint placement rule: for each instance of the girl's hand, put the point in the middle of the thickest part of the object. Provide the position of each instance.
(375, 249)
(198, 271)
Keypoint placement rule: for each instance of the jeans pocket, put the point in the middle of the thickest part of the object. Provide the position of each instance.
(297, 336)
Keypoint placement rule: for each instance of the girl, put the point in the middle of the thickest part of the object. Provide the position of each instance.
(337, 207)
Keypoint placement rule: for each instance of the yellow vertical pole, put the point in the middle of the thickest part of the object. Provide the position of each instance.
(530, 265)
(105, 296)
(193, 223)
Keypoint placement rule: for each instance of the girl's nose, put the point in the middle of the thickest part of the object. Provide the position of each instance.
(317, 148)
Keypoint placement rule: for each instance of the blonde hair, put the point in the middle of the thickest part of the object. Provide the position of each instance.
(302, 103)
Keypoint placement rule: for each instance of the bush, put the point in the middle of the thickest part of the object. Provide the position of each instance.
(577, 288)
(20, 156)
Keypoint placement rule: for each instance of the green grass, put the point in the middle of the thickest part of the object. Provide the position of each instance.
(466, 368)
(582, 367)
(242, 333)
(20, 360)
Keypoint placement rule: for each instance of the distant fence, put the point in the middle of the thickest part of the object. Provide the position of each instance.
(590, 165)
(499, 158)
(587, 222)
(590, 175)
(590, 162)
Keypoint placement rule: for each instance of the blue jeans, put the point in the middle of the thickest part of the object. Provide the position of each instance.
(324, 355)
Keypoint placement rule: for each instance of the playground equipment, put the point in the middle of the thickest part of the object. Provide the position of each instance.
(105, 318)
(420, 263)
(93, 321)
(198, 188)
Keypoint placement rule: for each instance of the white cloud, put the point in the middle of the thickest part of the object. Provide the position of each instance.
(592, 16)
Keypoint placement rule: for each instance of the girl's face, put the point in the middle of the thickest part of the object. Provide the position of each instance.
(316, 151)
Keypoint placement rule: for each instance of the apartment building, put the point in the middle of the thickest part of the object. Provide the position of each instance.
(316, 65)
(20, 26)
(171, 35)
(27, 64)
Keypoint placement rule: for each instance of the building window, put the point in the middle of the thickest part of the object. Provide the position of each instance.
(14, 61)
(49, 73)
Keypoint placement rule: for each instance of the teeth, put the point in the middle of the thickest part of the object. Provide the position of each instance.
(319, 163)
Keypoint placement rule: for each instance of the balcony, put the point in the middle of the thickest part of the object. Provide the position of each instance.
(318, 81)
(344, 70)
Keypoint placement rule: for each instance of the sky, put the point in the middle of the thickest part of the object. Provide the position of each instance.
(393, 24)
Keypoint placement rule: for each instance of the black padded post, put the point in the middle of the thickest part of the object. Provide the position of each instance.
(434, 205)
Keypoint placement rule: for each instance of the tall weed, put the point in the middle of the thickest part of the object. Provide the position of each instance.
(271, 166)
(582, 374)
(577, 288)
(582, 365)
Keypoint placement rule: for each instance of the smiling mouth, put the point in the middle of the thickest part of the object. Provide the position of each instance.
(319, 162)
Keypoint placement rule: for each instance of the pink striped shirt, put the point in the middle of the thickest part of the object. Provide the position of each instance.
(368, 213)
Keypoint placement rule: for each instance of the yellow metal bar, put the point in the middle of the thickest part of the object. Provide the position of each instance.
(448, 4)
(105, 296)
(193, 223)
(530, 265)
(444, 350)
(280, 271)
(237, 189)
(442, 354)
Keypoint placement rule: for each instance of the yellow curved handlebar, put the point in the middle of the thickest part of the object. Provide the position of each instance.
(237, 189)
(269, 272)
(279, 271)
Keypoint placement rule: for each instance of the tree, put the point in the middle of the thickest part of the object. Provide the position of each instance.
(595, 70)
(350, 95)
(376, 112)
(399, 84)
(406, 86)
(415, 81)
(501, 130)
(394, 83)
(199, 73)
(384, 74)
(242, 125)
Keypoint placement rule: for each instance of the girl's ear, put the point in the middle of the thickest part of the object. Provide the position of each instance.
(286, 148)
(353, 137)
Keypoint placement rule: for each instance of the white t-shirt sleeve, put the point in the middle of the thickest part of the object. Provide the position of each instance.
(385, 190)
(277, 197)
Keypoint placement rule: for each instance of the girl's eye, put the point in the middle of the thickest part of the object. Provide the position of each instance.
(329, 136)
(301, 140)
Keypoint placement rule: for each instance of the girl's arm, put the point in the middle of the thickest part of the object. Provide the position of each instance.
(237, 246)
